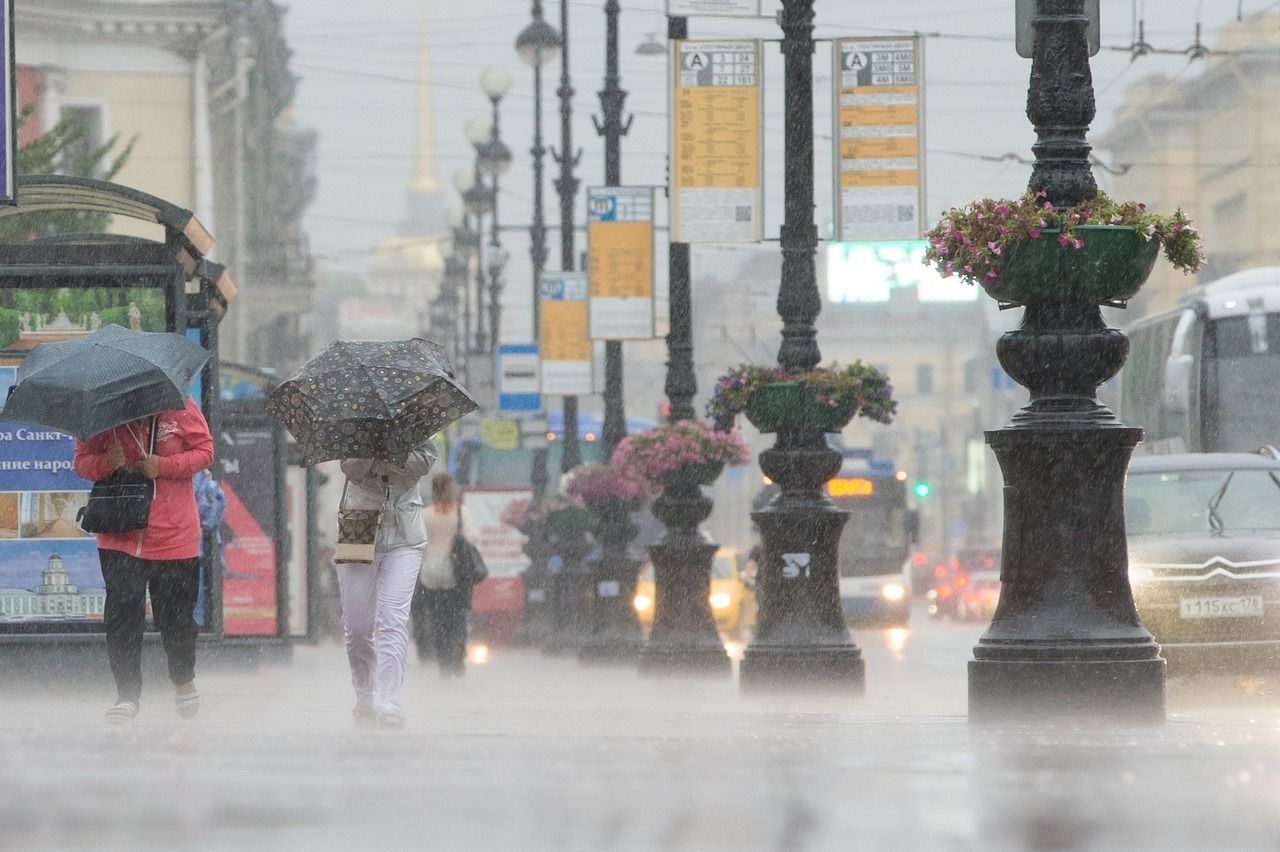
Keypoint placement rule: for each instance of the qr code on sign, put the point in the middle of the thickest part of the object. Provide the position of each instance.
(742, 213)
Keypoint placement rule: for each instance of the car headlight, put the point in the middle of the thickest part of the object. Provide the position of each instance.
(720, 600)
(642, 603)
(893, 592)
(1140, 571)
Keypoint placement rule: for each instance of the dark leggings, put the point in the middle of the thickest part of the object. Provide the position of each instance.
(447, 613)
(174, 585)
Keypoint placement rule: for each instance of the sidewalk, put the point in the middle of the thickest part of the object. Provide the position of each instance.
(530, 753)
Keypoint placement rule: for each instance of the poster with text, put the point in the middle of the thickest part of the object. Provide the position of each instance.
(49, 570)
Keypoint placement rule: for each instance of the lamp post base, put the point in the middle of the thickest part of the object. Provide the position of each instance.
(1128, 690)
(1065, 638)
(684, 640)
(837, 668)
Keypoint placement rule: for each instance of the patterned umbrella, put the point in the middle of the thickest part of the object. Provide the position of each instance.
(370, 399)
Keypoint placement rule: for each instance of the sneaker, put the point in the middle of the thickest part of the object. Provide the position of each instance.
(363, 717)
(122, 712)
(391, 722)
(187, 703)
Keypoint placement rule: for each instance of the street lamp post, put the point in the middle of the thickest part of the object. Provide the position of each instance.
(615, 631)
(683, 638)
(1066, 635)
(479, 200)
(537, 45)
(567, 189)
(495, 160)
(801, 635)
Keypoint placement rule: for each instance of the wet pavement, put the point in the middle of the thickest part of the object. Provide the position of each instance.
(530, 753)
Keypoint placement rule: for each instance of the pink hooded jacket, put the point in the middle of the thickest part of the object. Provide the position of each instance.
(184, 447)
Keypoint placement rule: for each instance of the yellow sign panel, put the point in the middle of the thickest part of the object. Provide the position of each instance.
(716, 161)
(881, 177)
(621, 259)
(500, 434)
(564, 332)
(855, 486)
(879, 148)
(878, 118)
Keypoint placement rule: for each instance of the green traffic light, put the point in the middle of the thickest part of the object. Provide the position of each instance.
(922, 489)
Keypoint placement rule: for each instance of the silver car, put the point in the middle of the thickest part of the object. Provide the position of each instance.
(1204, 557)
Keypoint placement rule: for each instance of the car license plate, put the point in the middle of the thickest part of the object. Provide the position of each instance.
(1241, 607)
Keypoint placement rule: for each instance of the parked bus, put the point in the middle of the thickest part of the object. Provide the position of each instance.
(1201, 376)
(875, 565)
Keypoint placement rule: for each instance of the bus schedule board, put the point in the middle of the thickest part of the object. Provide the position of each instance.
(879, 135)
(565, 334)
(620, 268)
(716, 155)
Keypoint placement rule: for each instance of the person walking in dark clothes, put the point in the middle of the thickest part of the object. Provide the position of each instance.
(163, 557)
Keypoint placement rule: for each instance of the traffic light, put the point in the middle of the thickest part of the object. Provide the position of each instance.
(922, 489)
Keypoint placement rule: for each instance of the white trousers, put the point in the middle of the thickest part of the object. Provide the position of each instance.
(375, 615)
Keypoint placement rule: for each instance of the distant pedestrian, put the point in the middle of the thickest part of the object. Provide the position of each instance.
(211, 505)
(447, 600)
(163, 557)
(376, 595)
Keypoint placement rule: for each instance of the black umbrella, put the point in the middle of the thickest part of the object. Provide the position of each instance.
(369, 399)
(90, 384)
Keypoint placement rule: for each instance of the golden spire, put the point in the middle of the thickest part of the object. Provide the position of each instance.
(425, 178)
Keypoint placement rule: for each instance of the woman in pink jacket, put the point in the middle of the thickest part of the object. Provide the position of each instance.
(164, 556)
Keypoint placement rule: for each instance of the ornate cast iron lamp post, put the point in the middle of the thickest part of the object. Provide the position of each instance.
(1066, 635)
(537, 45)
(683, 637)
(615, 631)
(801, 636)
(495, 160)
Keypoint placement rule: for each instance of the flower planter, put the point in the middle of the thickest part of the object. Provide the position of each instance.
(792, 405)
(1111, 267)
(570, 522)
(702, 474)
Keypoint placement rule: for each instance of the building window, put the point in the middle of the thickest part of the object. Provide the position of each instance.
(924, 379)
(89, 118)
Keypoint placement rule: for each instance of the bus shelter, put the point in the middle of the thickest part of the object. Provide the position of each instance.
(58, 288)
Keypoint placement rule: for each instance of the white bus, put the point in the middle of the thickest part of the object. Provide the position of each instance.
(1204, 376)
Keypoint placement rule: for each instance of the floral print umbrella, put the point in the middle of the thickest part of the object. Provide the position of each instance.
(370, 399)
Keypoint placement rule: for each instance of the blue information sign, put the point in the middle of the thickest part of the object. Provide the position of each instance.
(519, 378)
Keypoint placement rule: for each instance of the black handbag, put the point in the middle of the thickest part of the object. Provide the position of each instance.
(468, 565)
(121, 502)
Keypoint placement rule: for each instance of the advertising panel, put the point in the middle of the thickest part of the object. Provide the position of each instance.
(501, 545)
(620, 269)
(49, 570)
(566, 338)
(716, 156)
(870, 271)
(879, 150)
(251, 528)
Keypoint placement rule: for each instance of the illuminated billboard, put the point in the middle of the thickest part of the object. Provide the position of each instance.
(870, 271)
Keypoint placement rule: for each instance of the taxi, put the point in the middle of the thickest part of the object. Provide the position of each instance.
(733, 602)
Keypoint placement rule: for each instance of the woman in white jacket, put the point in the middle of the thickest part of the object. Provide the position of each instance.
(376, 596)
